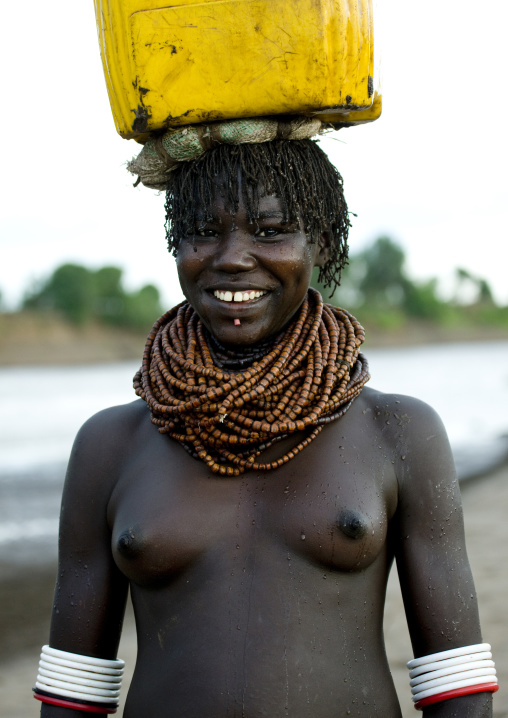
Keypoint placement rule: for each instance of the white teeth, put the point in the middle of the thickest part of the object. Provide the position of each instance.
(237, 296)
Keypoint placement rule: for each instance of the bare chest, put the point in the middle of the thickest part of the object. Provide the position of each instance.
(330, 507)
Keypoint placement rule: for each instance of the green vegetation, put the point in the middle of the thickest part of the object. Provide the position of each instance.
(81, 295)
(376, 287)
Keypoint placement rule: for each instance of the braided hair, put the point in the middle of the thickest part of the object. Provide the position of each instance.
(297, 171)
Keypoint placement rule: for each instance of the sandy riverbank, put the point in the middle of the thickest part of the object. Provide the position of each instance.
(29, 339)
(25, 601)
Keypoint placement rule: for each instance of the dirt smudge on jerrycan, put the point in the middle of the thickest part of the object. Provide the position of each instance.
(200, 62)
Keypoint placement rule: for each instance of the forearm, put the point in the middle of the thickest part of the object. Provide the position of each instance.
(476, 705)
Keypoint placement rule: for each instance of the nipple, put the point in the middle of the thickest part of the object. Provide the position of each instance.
(128, 544)
(237, 322)
(352, 524)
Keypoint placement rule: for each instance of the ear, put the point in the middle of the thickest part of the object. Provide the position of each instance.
(323, 250)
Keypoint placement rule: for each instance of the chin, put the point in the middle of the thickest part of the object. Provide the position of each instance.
(237, 336)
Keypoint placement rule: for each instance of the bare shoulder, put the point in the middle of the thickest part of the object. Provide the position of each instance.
(413, 431)
(400, 415)
(115, 421)
(397, 405)
(104, 443)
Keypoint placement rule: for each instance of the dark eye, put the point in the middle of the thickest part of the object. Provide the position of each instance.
(201, 232)
(268, 232)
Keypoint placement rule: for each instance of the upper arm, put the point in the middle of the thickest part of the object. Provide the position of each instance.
(435, 577)
(90, 591)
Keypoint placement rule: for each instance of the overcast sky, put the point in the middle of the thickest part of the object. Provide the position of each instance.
(431, 172)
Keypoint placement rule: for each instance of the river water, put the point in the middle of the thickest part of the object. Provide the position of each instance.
(42, 408)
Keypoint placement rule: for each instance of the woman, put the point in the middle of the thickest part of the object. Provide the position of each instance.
(257, 527)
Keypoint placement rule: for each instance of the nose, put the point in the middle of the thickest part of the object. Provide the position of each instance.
(235, 252)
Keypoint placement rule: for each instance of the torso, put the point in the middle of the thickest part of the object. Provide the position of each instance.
(261, 595)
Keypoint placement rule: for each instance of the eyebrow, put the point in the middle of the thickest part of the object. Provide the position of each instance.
(267, 214)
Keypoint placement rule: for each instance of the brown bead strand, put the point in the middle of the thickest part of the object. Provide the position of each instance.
(226, 417)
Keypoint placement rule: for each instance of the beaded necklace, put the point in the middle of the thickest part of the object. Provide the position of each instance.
(227, 417)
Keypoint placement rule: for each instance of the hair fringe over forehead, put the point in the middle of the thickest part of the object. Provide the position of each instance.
(297, 171)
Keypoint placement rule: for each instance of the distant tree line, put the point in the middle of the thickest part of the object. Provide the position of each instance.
(81, 295)
(376, 285)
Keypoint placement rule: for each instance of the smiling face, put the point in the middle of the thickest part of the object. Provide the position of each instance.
(246, 280)
(298, 172)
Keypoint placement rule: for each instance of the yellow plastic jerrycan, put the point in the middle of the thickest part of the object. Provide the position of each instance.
(194, 61)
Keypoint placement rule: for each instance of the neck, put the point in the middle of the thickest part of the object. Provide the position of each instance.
(238, 358)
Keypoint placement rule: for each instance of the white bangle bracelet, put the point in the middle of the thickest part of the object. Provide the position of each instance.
(52, 682)
(452, 653)
(459, 661)
(77, 681)
(82, 682)
(106, 677)
(453, 673)
(488, 673)
(100, 670)
(95, 662)
(452, 686)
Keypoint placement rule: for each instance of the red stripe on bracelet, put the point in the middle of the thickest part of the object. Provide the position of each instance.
(456, 692)
(73, 704)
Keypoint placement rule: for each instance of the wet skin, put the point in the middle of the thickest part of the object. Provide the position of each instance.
(263, 595)
(231, 255)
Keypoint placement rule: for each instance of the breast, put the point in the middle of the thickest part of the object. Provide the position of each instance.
(164, 526)
(348, 539)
